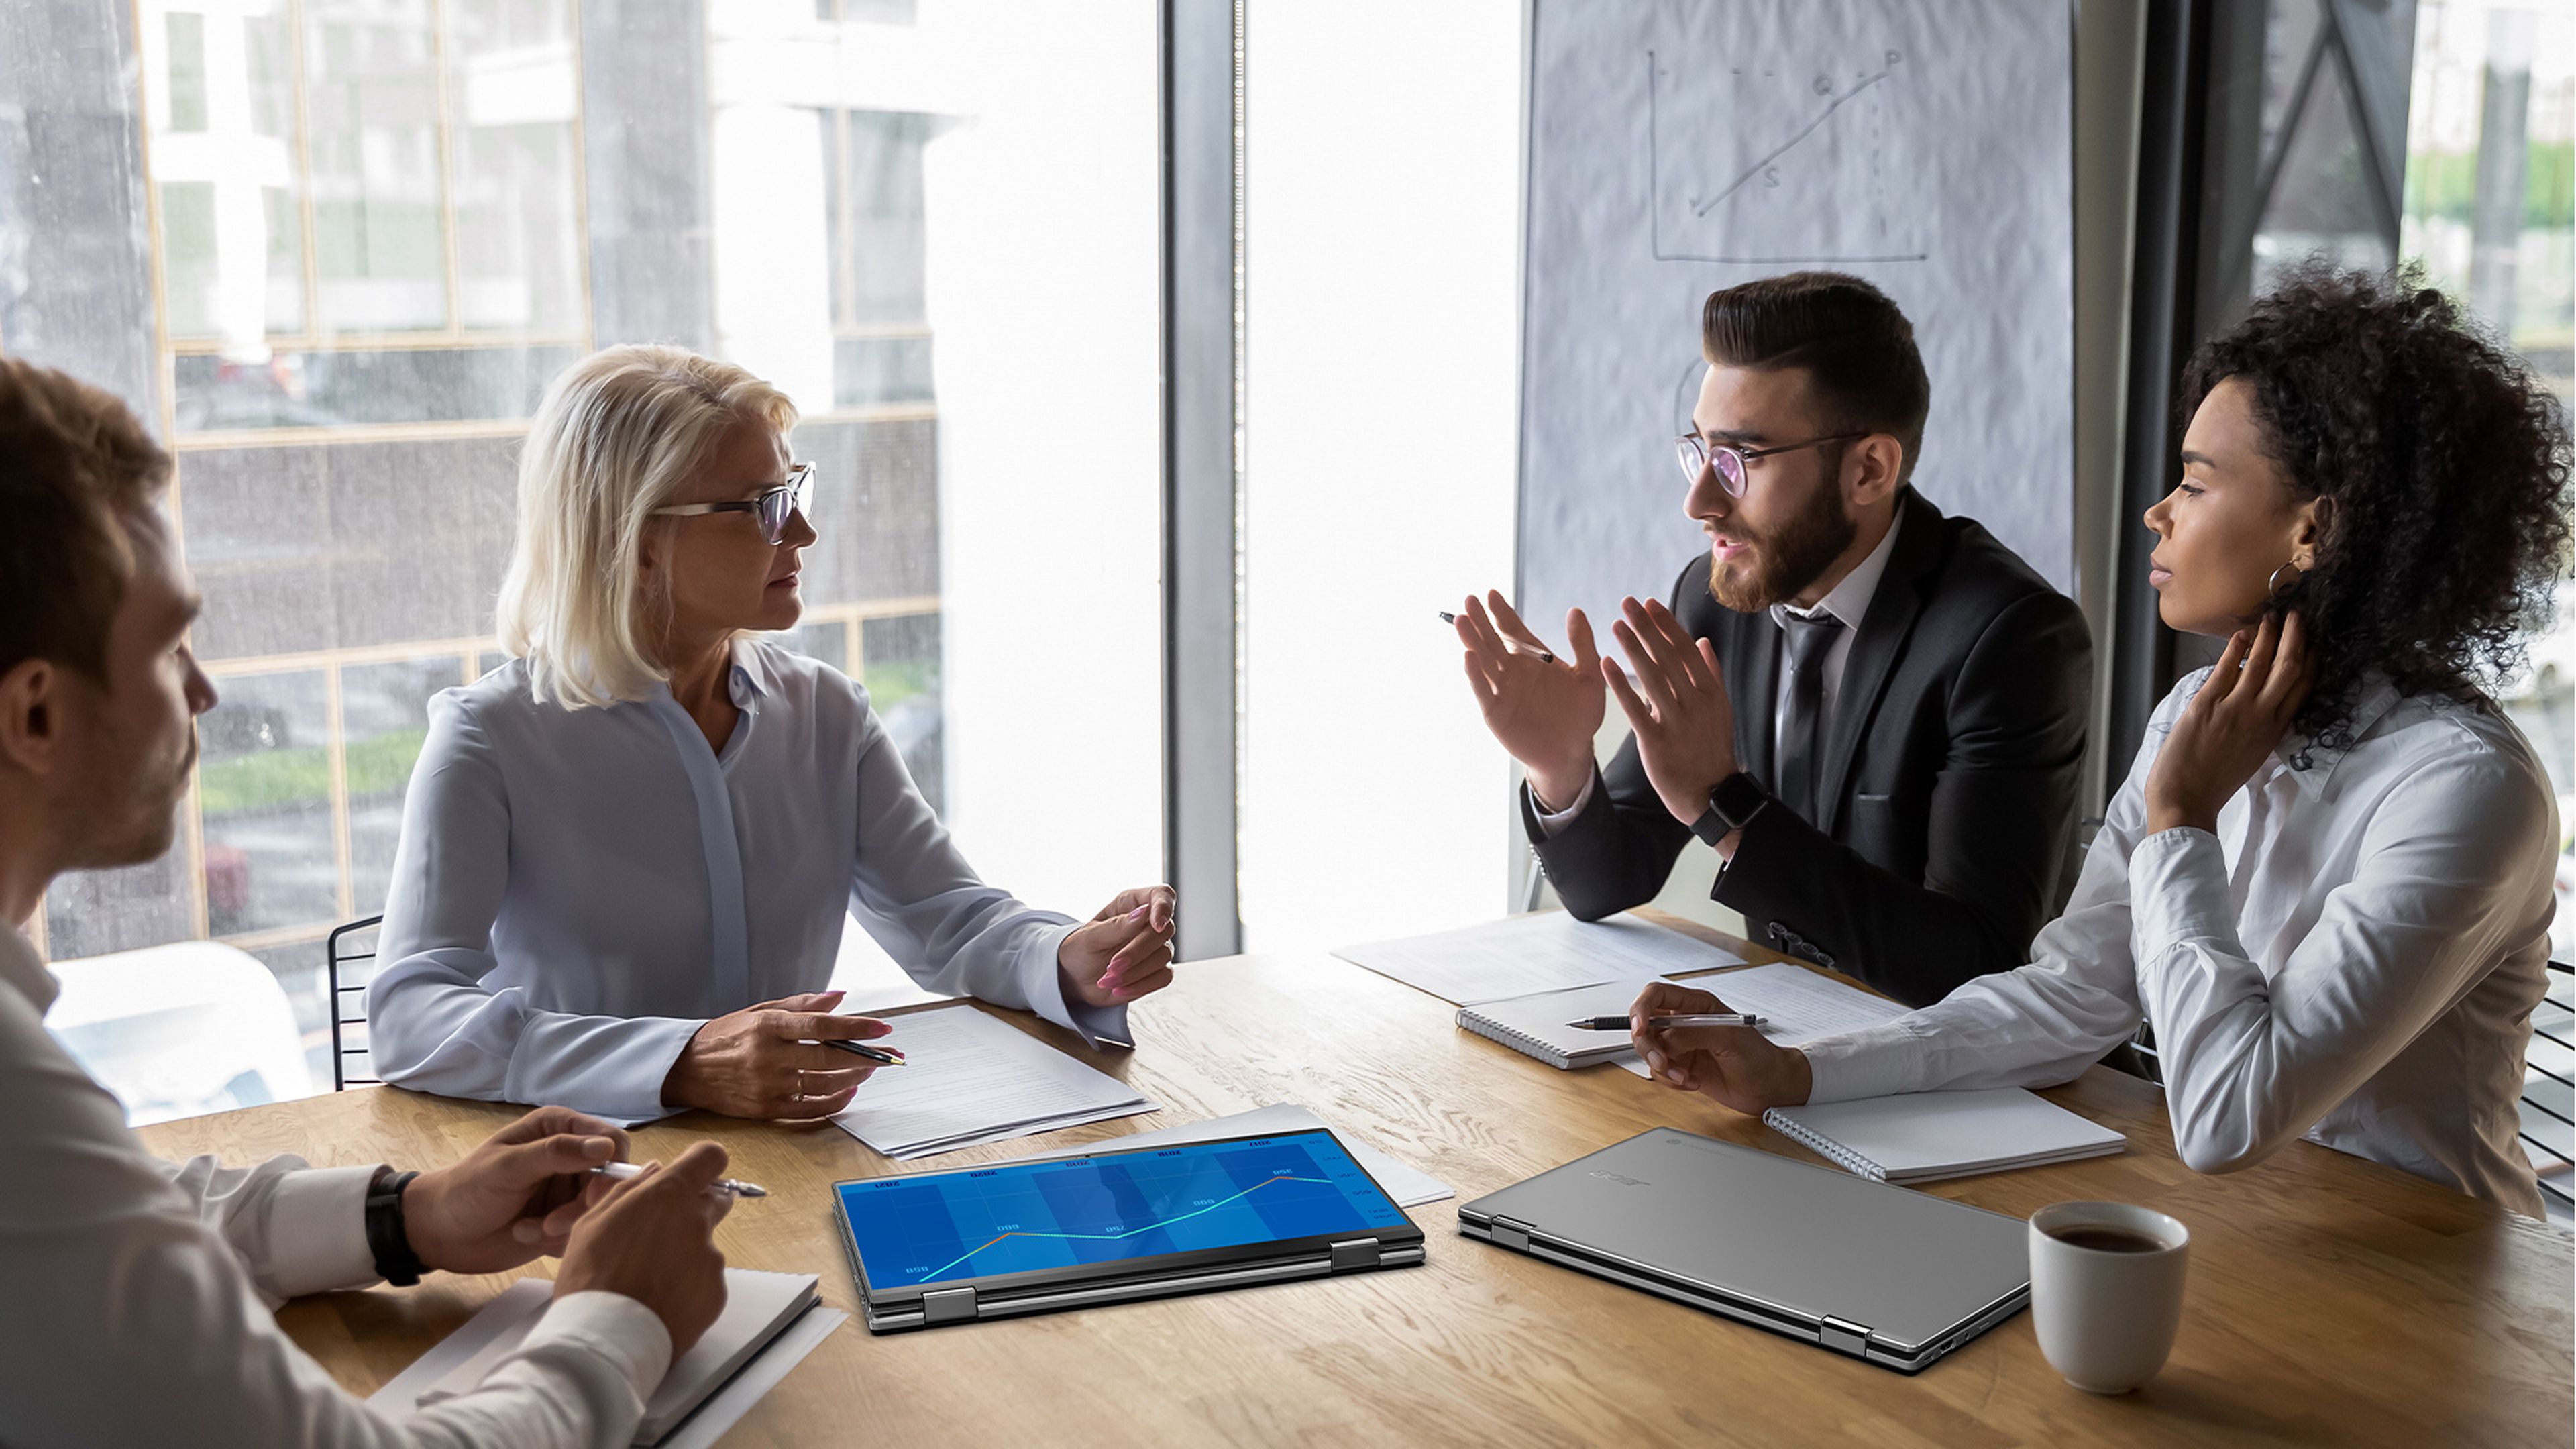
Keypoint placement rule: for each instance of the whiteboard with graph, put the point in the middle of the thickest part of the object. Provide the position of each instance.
(1680, 146)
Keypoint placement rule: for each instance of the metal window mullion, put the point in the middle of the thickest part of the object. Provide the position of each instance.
(446, 167)
(1201, 487)
(581, 177)
(310, 250)
(338, 754)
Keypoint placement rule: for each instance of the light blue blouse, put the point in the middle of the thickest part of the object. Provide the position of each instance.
(578, 891)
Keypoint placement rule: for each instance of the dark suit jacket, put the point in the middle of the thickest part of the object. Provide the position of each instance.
(1951, 761)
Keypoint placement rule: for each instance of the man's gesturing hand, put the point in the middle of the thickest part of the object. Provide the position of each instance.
(762, 1061)
(515, 1197)
(652, 1238)
(1684, 722)
(1544, 713)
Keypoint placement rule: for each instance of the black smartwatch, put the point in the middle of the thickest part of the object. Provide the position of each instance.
(1732, 804)
(387, 1238)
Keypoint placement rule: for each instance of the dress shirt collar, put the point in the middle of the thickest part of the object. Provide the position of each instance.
(22, 970)
(1849, 600)
(2310, 759)
(750, 678)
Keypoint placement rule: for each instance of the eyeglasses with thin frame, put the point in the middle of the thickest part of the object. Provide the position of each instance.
(773, 507)
(1731, 462)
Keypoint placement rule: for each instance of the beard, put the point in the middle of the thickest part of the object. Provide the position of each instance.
(1780, 562)
(129, 799)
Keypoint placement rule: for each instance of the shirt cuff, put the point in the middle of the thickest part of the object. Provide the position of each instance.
(1552, 823)
(614, 1326)
(624, 1084)
(1042, 982)
(1874, 1061)
(2178, 894)
(317, 1231)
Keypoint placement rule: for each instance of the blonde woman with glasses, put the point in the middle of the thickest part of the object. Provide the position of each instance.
(627, 855)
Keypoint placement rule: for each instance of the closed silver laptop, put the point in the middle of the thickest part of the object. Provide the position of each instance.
(1881, 1273)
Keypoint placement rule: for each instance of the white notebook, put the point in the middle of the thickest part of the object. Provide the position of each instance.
(1927, 1136)
(1536, 1025)
(757, 1307)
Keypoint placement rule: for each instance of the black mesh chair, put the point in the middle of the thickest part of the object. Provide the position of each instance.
(347, 946)
(2549, 1091)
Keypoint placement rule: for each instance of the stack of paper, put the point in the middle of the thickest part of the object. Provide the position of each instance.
(970, 1078)
(1525, 955)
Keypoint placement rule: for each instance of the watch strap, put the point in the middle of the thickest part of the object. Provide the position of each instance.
(387, 1238)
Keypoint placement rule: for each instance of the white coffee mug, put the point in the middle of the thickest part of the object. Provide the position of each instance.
(2106, 1311)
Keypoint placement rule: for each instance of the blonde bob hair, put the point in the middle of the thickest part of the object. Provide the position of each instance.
(615, 436)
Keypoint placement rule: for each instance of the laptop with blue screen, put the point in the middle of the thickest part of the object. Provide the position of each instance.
(938, 1248)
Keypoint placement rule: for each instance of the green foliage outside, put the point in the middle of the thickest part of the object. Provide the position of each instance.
(2445, 183)
(378, 765)
(895, 680)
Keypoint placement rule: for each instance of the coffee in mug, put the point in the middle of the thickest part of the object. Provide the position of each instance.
(2106, 1291)
(2107, 1240)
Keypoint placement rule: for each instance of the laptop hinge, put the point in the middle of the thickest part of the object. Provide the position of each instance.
(1843, 1335)
(948, 1305)
(1511, 1232)
(1354, 1253)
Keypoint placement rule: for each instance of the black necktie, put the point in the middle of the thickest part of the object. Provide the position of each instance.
(1802, 724)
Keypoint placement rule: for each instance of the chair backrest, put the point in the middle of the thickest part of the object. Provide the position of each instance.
(2549, 1087)
(346, 947)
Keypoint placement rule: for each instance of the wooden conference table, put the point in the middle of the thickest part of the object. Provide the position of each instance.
(2331, 1300)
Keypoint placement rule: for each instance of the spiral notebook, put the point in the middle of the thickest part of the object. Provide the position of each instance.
(1928, 1136)
(1536, 1025)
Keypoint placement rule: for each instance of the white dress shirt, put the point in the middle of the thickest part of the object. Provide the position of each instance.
(578, 891)
(1847, 601)
(136, 1297)
(2353, 957)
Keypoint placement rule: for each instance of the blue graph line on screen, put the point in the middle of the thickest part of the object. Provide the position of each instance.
(1815, 188)
(1155, 1225)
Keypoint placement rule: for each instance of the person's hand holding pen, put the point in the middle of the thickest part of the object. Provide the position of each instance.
(1735, 1065)
(515, 1197)
(1541, 709)
(773, 1060)
(651, 1238)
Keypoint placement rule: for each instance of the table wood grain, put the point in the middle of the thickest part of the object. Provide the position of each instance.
(2331, 1301)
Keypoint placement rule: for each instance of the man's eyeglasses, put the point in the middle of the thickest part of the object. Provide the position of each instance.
(1698, 456)
(773, 507)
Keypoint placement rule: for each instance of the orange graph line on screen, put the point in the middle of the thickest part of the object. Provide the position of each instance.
(1115, 1237)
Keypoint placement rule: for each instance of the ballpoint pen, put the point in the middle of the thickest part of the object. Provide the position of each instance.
(1660, 1023)
(882, 1056)
(739, 1188)
(1509, 643)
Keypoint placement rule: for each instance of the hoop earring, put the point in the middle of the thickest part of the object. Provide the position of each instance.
(2280, 589)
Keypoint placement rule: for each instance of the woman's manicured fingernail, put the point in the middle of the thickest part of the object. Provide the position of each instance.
(597, 1147)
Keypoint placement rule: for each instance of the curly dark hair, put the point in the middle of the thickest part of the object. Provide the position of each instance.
(2447, 468)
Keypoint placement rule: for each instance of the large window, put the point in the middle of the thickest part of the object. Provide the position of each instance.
(2491, 213)
(352, 240)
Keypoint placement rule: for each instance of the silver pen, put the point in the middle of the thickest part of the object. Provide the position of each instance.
(1664, 1023)
(739, 1188)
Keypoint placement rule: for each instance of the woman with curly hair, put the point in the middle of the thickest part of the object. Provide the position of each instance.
(2327, 878)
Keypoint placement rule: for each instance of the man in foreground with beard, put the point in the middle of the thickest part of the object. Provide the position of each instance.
(1875, 713)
